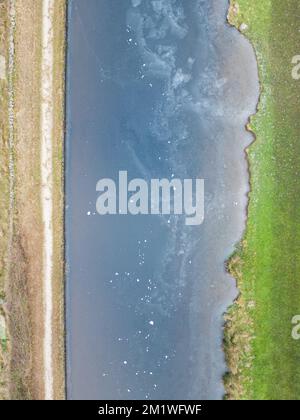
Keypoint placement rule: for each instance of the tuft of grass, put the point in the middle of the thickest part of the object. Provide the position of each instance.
(262, 356)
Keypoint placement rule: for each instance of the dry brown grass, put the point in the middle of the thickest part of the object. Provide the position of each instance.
(4, 195)
(19, 325)
(28, 224)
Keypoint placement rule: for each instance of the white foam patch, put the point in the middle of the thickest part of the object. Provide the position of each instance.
(136, 3)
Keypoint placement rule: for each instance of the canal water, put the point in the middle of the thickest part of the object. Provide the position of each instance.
(160, 89)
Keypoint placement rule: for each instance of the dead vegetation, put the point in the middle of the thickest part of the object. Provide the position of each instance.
(4, 198)
(19, 326)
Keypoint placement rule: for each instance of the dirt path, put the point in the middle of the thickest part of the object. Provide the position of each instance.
(47, 187)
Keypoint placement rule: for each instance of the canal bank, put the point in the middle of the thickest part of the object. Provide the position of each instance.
(23, 299)
(160, 90)
(262, 353)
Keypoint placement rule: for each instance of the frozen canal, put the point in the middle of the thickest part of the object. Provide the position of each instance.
(161, 89)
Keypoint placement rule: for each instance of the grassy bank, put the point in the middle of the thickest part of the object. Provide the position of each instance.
(262, 356)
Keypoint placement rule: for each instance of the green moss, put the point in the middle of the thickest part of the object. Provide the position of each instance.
(269, 268)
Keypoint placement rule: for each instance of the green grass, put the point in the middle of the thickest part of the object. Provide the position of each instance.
(264, 358)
